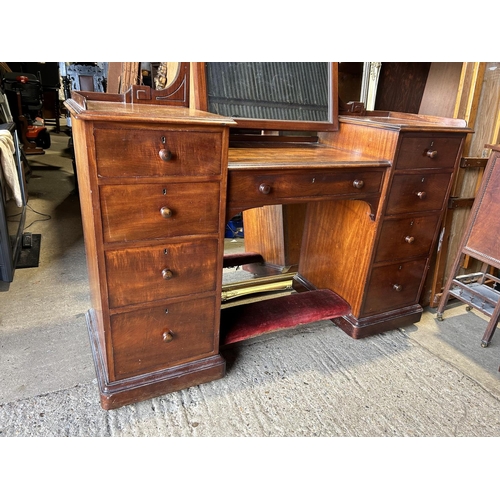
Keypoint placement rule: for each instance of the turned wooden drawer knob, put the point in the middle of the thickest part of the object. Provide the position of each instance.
(265, 188)
(165, 154)
(167, 337)
(432, 153)
(358, 183)
(422, 195)
(398, 288)
(409, 239)
(165, 212)
(167, 274)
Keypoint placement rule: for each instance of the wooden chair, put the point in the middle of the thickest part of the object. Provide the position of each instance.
(480, 241)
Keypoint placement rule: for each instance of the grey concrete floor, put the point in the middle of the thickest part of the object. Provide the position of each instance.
(431, 379)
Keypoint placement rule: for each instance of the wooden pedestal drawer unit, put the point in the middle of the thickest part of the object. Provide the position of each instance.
(424, 153)
(423, 169)
(152, 183)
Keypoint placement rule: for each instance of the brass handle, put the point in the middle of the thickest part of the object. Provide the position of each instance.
(265, 188)
(432, 153)
(398, 288)
(167, 274)
(358, 183)
(165, 154)
(409, 239)
(422, 195)
(165, 212)
(167, 337)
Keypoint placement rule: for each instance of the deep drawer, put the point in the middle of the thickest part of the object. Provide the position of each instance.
(138, 152)
(137, 275)
(160, 337)
(404, 238)
(417, 192)
(428, 152)
(258, 188)
(149, 211)
(394, 286)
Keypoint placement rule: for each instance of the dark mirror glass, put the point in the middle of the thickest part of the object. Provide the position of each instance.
(296, 91)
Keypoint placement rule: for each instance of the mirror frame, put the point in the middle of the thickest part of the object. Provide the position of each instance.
(332, 124)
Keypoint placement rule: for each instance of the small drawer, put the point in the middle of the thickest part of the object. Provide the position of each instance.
(394, 286)
(417, 192)
(428, 152)
(137, 275)
(404, 238)
(151, 211)
(138, 152)
(157, 338)
(261, 188)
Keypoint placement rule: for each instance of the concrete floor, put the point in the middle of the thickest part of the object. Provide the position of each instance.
(430, 379)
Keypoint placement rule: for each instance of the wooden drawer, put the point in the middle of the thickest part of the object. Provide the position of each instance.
(261, 188)
(149, 211)
(428, 151)
(137, 275)
(394, 286)
(160, 337)
(136, 152)
(404, 238)
(417, 192)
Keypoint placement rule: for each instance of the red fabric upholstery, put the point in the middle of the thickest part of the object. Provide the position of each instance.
(253, 319)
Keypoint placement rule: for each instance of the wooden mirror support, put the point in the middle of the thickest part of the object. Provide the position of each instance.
(176, 94)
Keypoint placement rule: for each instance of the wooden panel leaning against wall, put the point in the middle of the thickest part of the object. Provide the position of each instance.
(469, 91)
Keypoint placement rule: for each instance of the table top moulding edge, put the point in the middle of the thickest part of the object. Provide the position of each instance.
(408, 122)
(95, 106)
(319, 156)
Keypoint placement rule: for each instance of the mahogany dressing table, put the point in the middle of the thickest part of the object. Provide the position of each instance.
(157, 185)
